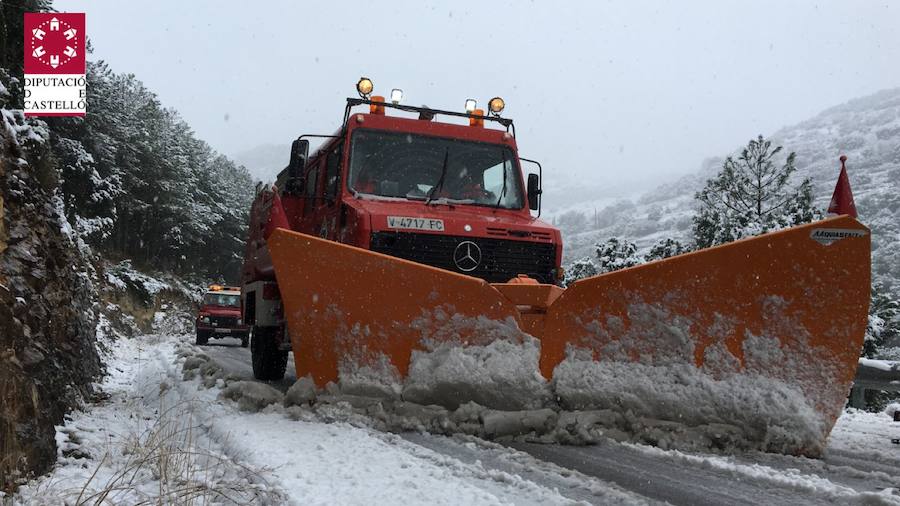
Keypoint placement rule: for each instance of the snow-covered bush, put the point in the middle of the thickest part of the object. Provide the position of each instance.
(580, 269)
(615, 254)
(665, 248)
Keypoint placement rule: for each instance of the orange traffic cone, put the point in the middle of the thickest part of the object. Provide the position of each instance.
(842, 199)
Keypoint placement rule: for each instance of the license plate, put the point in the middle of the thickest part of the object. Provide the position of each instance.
(410, 223)
(222, 331)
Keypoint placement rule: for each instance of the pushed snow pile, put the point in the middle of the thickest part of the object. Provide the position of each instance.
(777, 394)
(892, 409)
(680, 406)
(197, 364)
(502, 374)
(302, 392)
(372, 377)
(499, 368)
(252, 396)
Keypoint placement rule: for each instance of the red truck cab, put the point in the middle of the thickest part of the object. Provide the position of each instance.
(452, 195)
(220, 315)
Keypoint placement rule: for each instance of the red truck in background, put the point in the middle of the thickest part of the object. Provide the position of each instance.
(220, 315)
(449, 195)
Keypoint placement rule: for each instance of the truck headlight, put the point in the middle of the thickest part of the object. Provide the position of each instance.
(205, 319)
(364, 87)
(496, 105)
(240, 321)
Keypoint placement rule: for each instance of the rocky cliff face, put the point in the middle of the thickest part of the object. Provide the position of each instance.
(47, 354)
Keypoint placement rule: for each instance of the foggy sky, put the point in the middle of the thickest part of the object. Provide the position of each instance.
(615, 93)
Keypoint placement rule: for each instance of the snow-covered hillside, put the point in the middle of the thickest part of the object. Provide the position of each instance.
(265, 161)
(867, 130)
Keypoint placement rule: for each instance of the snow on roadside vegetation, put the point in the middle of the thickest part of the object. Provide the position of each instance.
(136, 302)
(146, 442)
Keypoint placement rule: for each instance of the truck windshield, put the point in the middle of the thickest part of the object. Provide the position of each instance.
(222, 299)
(418, 167)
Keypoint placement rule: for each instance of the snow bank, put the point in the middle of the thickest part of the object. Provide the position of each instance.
(252, 396)
(497, 368)
(882, 365)
(374, 377)
(146, 442)
(302, 392)
(776, 397)
(343, 460)
(502, 374)
(678, 405)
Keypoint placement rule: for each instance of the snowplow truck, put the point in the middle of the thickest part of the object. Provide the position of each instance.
(405, 258)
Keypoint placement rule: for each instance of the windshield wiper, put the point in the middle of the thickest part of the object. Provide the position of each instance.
(503, 167)
(440, 182)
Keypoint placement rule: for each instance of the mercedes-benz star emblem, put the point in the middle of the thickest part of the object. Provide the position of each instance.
(467, 256)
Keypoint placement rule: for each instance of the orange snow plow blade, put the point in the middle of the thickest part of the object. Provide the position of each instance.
(789, 306)
(342, 302)
(756, 330)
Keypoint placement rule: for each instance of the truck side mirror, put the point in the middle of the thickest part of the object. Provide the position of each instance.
(299, 155)
(534, 192)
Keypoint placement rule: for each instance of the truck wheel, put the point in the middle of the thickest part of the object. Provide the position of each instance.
(202, 338)
(269, 362)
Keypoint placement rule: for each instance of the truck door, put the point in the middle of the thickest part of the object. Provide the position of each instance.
(329, 206)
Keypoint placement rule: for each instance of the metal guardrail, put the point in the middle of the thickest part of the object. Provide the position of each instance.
(874, 375)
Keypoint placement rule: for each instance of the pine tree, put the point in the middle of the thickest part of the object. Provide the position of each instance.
(752, 195)
(137, 183)
(884, 321)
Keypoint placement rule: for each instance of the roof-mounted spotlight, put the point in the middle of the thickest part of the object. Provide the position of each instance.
(471, 104)
(364, 87)
(396, 96)
(496, 106)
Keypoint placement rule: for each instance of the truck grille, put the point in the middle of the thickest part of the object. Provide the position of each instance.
(223, 321)
(501, 259)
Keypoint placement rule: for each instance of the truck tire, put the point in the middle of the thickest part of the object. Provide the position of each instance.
(269, 362)
(202, 338)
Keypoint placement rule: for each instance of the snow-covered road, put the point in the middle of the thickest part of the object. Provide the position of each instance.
(162, 435)
(860, 463)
